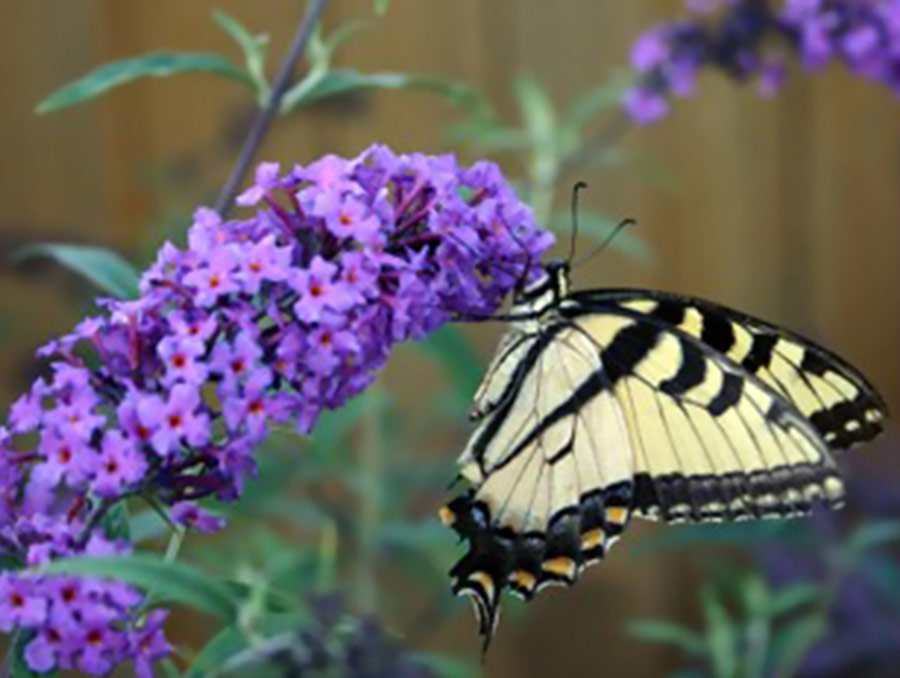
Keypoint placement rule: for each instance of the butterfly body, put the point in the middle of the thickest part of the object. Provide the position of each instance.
(603, 405)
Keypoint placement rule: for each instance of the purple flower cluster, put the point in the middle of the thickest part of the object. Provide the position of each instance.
(273, 318)
(750, 39)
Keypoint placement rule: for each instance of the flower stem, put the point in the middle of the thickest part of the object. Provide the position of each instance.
(174, 545)
(266, 115)
(372, 468)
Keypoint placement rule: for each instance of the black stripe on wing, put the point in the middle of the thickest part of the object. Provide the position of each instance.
(711, 441)
(836, 398)
(526, 563)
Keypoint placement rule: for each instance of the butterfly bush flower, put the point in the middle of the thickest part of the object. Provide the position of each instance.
(752, 39)
(270, 318)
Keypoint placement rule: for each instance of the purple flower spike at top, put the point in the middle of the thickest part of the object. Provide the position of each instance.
(273, 317)
(751, 39)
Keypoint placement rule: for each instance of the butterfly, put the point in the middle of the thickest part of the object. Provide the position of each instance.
(604, 405)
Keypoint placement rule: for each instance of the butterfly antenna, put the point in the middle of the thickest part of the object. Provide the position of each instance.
(602, 246)
(577, 187)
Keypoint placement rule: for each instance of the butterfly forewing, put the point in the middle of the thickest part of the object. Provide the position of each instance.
(836, 398)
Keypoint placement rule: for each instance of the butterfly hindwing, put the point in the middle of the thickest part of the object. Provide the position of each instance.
(550, 469)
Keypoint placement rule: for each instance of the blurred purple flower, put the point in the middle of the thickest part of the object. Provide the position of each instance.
(749, 39)
(863, 629)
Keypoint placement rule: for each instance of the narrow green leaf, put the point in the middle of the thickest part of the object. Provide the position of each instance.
(225, 644)
(344, 80)
(253, 46)
(103, 267)
(788, 599)
(537, 110)
(381, 7)
(176, 581)
(871, 535)
(599, 227)
(721, 635)
(596, 101)
(340, 36)
(157, 65)
(453, 352)
(657, 631)
(791, 644)
(487, 134)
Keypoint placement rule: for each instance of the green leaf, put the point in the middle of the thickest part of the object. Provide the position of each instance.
(103, 267)
(116, 521)
(788, 599)
(871, 535)
(537, 111)
(599, 227)
(253, 46)
(345, 80)
(176, 581)
(657, 631)
(381, 7)
(225, 644)
(793, 642)
(157, 65)
(595, 101)
(721, 634)
(453, 352)
(489, 134)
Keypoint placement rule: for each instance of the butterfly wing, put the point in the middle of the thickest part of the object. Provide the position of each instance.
(836, 398)
(550, 469)
(612, 407)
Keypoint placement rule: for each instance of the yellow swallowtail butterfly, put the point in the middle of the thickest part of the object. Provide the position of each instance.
(603, 405)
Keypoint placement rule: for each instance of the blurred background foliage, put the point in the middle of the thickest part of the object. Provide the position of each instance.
(785, 208)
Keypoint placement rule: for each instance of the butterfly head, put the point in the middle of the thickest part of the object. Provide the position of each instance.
(545, 291)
